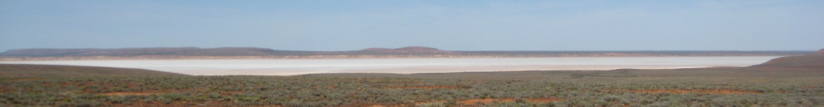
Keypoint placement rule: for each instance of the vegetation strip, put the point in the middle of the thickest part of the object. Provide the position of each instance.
(703, 91)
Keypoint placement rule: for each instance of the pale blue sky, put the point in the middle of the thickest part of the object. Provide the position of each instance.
(446, 24)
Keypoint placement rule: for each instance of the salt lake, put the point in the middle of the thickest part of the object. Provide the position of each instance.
(409, 65)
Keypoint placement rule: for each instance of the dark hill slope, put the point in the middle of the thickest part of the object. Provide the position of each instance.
(814, 62)
(25, 70)
(821, 51)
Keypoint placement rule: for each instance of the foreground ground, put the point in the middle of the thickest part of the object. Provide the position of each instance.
(38, 85)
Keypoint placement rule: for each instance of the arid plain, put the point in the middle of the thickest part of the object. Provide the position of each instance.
(795, 80)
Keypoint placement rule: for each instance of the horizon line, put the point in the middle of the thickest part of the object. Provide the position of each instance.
(628, 50)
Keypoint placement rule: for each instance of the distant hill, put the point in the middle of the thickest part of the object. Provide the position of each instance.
(813, 61)
(182, 51)
(821, 51)
(412, 50)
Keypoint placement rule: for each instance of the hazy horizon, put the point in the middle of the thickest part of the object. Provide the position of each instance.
(581, 25)
(384, 47)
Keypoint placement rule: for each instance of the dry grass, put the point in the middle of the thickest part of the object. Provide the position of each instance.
(131, 93)
(26, 79)
(544, 100)
(184, 104)
(687, 91)
(493, 100)
(427, 87)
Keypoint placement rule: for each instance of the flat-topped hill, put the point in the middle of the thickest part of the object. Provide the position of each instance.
(404, 50)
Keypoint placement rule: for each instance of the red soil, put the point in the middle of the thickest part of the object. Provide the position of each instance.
(429, 102)
(492, 100)
(486, 100)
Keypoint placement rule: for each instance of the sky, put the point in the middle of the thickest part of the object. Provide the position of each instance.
(447, 24)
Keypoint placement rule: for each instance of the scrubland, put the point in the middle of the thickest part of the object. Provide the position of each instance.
(38, 85)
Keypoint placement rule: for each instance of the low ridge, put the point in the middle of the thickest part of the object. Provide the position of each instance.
(813, 61)
(821, 51)
(28, 70)
(405, 50)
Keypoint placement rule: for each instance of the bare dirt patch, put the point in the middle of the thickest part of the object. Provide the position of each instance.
(131, 93)
(493, 100)
(4, 90)
(686, 91)
(381, 105)
(427, 87)
(486, 100)
(430, 102)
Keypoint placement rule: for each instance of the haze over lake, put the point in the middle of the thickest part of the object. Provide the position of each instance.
(409, 65)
